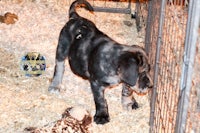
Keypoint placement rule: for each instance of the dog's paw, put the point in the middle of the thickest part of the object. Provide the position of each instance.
(101, 119)
(129, 104)
(135, 105)
(54, 89)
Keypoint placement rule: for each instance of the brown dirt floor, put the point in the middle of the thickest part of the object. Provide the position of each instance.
(25, 101)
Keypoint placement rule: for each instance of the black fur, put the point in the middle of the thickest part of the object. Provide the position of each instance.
(104, 62)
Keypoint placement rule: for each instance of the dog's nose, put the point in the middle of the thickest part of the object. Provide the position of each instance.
(150, 81)
(150, 84)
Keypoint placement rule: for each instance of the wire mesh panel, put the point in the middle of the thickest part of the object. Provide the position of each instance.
(193, 116)
(165, 35)
(188, 110)
(194, 109)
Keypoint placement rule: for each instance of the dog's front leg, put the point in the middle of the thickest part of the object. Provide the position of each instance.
(128, 101)
(102, 115)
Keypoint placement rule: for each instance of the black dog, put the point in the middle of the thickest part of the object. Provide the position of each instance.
(104, 62)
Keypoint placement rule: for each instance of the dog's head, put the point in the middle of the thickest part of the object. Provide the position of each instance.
(135, 72)
(144, 82)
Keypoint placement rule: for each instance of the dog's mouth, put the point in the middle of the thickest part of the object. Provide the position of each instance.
(140, 91)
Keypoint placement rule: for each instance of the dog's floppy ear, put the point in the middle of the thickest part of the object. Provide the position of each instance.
(129, 71)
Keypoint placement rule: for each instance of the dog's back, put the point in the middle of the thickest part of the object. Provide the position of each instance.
(78, 3)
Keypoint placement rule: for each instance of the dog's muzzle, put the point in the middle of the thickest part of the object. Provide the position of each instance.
(143, 85)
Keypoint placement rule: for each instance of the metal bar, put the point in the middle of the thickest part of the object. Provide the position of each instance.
(186, 78)
(148, 28)
(156, 67)
(112, 10)
(137, 17)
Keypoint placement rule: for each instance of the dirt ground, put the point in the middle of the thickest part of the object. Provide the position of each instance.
(25, 101)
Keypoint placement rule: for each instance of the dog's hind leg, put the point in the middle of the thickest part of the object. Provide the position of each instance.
(128, 101)
(61, 55)
(57, 78)
(102, 115)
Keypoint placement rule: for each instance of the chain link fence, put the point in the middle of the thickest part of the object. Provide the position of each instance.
(171, 34)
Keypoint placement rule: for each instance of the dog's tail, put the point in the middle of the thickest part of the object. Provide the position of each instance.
(79, 3)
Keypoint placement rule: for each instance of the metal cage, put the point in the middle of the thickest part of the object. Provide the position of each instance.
(170, 41)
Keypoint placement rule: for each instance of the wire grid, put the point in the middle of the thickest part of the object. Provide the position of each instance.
(193, 117)
(166, 49)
